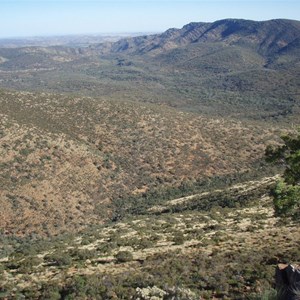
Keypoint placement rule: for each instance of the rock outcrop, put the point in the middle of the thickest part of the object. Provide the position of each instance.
(288, 282)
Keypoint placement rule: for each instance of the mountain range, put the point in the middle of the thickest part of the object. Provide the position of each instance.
(268, 38)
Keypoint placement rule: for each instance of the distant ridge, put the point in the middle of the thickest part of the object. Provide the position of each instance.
(266, 37)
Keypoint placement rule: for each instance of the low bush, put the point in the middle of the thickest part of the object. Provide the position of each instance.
(123, 256)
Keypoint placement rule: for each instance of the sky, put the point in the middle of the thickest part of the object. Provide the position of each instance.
(20, 18)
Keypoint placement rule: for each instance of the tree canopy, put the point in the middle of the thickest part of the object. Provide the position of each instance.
(286, 194)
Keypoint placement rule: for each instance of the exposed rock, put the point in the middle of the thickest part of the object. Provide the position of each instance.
(288, 282)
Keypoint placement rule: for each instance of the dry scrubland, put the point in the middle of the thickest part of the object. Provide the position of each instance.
(64, 158)
(136, 168)
(223, 253)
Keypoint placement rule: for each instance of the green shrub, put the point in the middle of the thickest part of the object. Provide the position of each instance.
(123, 256)
(50, 291)
(178, 238)
(59, 259)
(85, 287)
(28, 264)
(83, 254)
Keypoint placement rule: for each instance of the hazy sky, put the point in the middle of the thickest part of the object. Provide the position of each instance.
(58, 17)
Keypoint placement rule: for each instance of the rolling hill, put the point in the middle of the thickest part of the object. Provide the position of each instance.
(238, 68)
(136, 168)
(64, 159)
(99, 125)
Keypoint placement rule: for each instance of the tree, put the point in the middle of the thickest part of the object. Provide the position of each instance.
(286, 194)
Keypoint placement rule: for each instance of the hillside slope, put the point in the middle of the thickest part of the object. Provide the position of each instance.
(65, 159)
(158, 120)
(222, 253)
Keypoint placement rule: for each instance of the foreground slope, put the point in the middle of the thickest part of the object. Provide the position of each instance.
(221, 253)
(65, 159)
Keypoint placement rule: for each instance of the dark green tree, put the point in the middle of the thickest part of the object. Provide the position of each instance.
(286, 193)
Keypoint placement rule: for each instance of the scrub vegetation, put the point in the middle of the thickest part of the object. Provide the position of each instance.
(135, 169)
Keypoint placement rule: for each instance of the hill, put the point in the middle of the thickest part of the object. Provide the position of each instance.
(268, 38)
(156, 123)
(238, 68)
(65, 159)
(193, 254)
